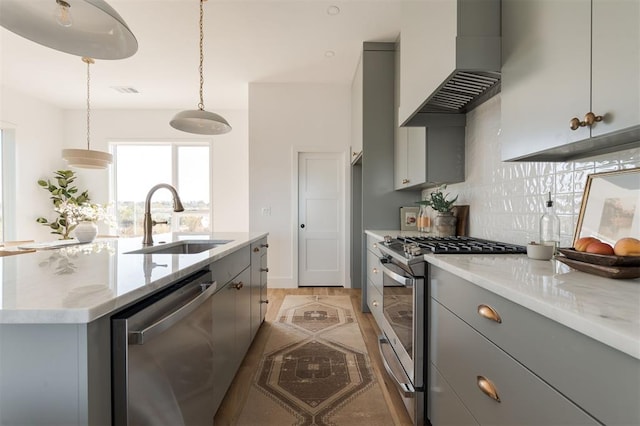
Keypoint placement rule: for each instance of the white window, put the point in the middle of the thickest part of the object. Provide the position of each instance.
(140, 166)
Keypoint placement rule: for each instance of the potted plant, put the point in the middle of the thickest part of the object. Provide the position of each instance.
(63, 197)
(75, 212)
(445, 221)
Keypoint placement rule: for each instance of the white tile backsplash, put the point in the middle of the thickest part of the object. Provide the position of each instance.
(507, 199)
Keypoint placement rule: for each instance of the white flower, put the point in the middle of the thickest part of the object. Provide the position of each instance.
(84, 212)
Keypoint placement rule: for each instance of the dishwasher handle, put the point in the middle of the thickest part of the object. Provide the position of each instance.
(137, 337)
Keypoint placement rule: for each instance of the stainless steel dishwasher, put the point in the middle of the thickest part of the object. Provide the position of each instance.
(162, 357)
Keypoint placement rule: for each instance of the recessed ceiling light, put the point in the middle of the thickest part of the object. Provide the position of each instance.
(329, 53)
(333, 10)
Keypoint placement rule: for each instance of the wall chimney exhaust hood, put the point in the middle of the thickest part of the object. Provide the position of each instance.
(470, 75)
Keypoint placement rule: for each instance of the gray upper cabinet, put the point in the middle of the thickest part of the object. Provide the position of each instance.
(433, 155)
(561, 61)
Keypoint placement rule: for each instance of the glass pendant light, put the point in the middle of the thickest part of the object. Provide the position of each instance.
(200, 121)
(87, 158)
(89, 28)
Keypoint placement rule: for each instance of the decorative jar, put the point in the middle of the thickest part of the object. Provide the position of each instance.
(86, 231)
(445, 224)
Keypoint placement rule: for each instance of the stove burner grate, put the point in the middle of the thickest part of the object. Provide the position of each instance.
(462, 245)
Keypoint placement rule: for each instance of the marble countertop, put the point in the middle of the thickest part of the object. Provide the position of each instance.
(607, 310)
(77, 284)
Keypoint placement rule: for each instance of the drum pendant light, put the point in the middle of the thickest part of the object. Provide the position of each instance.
(87, 158)
(89, 28)
(200, 121)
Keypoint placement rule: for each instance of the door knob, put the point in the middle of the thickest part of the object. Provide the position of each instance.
(302, 226)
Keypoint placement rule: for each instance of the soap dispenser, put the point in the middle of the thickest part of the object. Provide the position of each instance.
(550, 227)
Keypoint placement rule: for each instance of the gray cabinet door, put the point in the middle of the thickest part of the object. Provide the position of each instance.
(545, 74)
(242, 315)
(224, 336)
(444, 408)
(469, 362)
(616, 70)
(258, 284)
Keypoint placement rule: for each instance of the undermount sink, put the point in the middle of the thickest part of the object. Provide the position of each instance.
(181, 247)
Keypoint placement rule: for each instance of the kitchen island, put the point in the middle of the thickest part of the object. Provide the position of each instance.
(555, 336)
(55, 331)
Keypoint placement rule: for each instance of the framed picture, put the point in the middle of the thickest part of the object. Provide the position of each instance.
(610, 207)
(409, 218)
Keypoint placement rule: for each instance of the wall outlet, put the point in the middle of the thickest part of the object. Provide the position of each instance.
(266, 211)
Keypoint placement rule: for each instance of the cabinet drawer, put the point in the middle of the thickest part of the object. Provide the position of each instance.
(225, 269)
(374, 301)
(372, 243)
(444, 408)
(374, 270)
(463, 356)
(557, 354)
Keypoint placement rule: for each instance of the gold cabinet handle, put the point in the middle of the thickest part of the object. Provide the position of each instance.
(575, 123)
(375, 245)
(486, 311)
(265, 301)
(375, 303)
(265, 245)
(590, 118)
(264, 269)
(256, 249)
(405, 181)
(375, 270)
(237, 286)
(488, 388)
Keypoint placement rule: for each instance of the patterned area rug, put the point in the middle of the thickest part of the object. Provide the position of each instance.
(315, 370)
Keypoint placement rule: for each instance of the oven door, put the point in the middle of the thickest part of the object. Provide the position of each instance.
(402, 345)
(399, 307)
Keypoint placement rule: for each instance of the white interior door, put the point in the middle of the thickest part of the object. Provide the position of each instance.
(320, 219)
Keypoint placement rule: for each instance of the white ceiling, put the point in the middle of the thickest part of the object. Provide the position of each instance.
(245, 42)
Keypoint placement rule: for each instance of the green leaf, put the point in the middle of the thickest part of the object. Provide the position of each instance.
(43, 182)
(42, 220)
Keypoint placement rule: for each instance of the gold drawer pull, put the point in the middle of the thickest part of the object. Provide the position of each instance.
(590, 118)
(405, 181)
(375, 245)
(375, 270)
(375, 303)
(488, 388)
(486, 311)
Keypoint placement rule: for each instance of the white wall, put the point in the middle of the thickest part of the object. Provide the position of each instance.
(37, 127)
(42, 131)
(284, 119)
(507, 199)
(229, 154)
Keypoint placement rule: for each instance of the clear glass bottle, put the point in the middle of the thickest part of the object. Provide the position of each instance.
(550, 226)
(424, 219)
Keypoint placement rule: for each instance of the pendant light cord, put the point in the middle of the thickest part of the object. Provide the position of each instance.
(201, 104)
(88, 102)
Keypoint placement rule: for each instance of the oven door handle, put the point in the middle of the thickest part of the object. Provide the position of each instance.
(405, 281)
(404, 382)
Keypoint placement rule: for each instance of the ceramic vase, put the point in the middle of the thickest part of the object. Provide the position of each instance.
(445, 224)
(86, 231)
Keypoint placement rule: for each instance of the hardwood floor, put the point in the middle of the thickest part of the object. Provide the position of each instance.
(235, 398)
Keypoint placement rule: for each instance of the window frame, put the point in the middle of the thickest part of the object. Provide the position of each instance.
(175, 145)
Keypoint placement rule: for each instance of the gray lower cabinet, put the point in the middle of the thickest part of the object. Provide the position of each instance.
(231, 319)
(542, 372)
(444, 407)
(259, 270)
(374, 279)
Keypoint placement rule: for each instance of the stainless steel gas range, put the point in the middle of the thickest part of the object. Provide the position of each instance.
(403, 343)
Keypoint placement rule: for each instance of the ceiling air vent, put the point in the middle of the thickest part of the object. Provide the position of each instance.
(124, 89)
